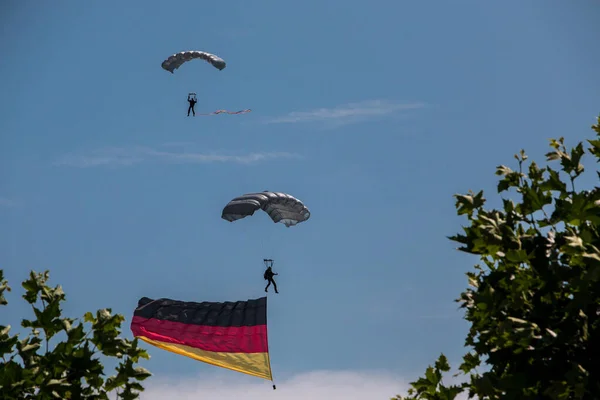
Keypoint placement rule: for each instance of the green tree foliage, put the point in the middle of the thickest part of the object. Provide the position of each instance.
(69, 368)
(534, 301)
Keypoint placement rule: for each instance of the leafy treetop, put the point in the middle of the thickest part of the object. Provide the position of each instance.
(70, 369)
(534, 301)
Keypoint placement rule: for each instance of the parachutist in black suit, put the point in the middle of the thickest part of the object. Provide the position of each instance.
(268, 275)
(192, 101)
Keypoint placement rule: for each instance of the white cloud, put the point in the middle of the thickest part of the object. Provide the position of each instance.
(346, 114)
(320, 385)
(126, 156)
(317, 385)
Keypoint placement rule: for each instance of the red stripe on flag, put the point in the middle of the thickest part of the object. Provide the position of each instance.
(242, 339)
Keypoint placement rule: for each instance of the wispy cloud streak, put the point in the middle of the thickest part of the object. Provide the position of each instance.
(346, 114)
(127, 156)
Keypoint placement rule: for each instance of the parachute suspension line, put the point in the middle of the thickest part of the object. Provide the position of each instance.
(263, 244)
(267, 246)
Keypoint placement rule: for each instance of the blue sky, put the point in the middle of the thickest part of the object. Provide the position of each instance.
(372, 113)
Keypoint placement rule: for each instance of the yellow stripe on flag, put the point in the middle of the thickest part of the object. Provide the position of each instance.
(255, 364)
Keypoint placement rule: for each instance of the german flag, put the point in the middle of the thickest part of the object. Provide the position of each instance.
(230, 335)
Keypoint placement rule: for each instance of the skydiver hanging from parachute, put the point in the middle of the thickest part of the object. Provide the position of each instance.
(268, 275)
(192, 100)
(281, 207)
(178, 59)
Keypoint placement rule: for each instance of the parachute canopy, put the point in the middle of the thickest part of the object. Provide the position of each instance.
(231, 335)
(281, 207)
(177, 60)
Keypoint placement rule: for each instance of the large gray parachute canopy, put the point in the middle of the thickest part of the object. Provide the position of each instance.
(177, 60)
(281, 207)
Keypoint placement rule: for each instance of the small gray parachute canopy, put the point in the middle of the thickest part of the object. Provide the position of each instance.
(281, 207)
(177, 60)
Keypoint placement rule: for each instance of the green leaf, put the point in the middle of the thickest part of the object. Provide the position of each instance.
(89, 317)
(575, 165)
(141, 373)
(431, 376)
(535, 200)
(536, 174)
(5, 330)
(470, 362)
(574, 241)
(554, 155)
(442, 364)
(595, 149)
(517, 256)
(511, 178)
(3, 288)
(466, 204)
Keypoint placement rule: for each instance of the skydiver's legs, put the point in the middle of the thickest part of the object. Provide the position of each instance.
(268, 284)
(194, 111)
(189, 109)
(274, 285)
